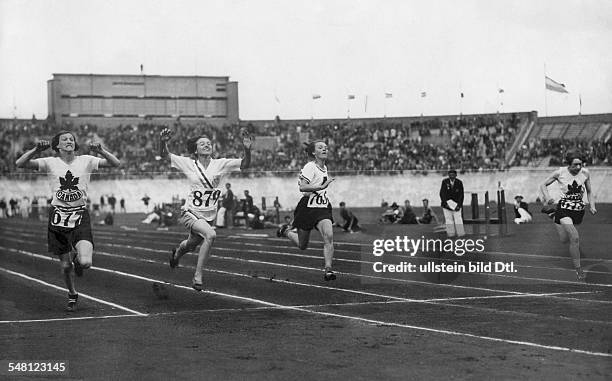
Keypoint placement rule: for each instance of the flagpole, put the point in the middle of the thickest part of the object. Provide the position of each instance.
(498, 98)
(312, 108)
(348, 107)
(460, 99)
(385, 107)
(422, 103)
(545, 96)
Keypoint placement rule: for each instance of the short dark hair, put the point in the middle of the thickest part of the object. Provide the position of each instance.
(571, 155)
(342, 203)
(55, 140)
(310, 147)
(191, 143)
(452, 171)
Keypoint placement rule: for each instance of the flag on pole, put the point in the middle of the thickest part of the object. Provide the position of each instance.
(388, 95)
(553, 85)
(500, 90)
(351, 96)
(365, 107)
(316, 96)
(423, 94)
(461, 95)
(277, 100)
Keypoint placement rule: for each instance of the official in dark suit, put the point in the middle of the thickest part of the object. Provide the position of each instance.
(451, 195)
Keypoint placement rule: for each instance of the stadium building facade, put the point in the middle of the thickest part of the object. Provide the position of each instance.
(110, 100)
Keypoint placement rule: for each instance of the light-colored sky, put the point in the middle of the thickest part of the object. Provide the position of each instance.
(291, 50)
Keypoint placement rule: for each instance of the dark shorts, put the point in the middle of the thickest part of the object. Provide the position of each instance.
(307, 218)
(61, 240)
(575, 215)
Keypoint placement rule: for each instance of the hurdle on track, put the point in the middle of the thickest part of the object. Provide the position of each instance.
(501, 218)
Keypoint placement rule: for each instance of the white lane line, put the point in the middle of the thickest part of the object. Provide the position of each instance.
(405, 257)
(385, 278)
(458, 260)
(510, 296)
(456, 333)
(360, 245)
(338, 259)
(542, 256)
(81, 295)
(346, 273)
(377, 322)
(366, 293)
(237, 259)
(69, 319)
(436, 301)
(228, 258)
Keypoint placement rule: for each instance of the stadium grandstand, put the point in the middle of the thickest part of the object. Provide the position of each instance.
(545, 142)
(372, 145)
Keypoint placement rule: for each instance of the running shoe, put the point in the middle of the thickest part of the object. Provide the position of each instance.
(72, 301)
(282, 231)
(329, 275)
(198, 286)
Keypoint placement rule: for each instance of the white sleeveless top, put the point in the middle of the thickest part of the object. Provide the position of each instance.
(204, 191)
(572, 188)
(313, 175)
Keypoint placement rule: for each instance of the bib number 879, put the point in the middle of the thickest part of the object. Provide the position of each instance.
(205, 198)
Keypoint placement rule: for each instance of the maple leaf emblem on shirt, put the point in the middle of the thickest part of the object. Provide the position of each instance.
(574, 188)
(69, 182)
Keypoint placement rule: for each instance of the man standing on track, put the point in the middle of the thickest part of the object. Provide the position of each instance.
(451, 195)
(69, 225)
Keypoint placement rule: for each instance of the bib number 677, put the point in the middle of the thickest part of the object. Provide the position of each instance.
(67, 219)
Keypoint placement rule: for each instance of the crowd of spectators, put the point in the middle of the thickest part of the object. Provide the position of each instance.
(533, 152)
(355, 146)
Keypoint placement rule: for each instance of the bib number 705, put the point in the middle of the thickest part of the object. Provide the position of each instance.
(318, 200)
(66, 219)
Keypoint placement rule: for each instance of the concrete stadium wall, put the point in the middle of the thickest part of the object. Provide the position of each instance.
(356, 191)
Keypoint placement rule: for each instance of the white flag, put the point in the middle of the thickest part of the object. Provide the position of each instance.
(553, 85)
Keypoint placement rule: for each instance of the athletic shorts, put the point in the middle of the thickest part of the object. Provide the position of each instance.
(306, 218)
(188, 218)
(575, 215)
(61, 240)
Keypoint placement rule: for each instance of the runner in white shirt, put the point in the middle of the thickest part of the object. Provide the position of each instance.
(573, 181)
(69, 224)
(205, 175)
(314, 210)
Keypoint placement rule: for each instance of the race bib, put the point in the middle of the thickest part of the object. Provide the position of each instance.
(318, 200)
(66, 219)
(205, 200)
